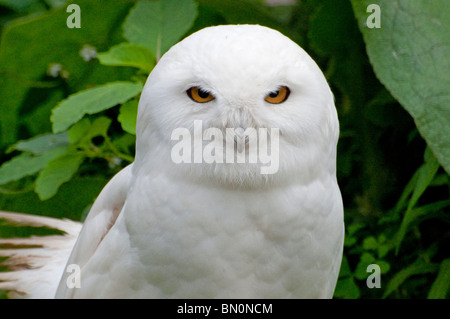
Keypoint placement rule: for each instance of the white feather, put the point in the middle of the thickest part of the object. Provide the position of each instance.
(37, 270)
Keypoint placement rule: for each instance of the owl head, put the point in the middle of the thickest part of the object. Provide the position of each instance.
(238, 105)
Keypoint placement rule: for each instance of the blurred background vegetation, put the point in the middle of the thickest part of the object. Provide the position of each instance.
(68, 100)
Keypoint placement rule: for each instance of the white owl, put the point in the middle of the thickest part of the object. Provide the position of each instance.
(212, 226)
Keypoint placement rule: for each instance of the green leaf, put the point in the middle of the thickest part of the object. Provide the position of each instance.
(23, 5)
(79, 130)
(409, 54)
(80, 192)
(384, 266)
(440, 180)
(27, 51)
(92, 101)
(350, 239)
(353, 228)
(99, 127)
(361, 268)
(370, 243)
(441, 285)
(345, 268)
(43, 143)
(128, 54)
(56, 3)
(407, 191)
(128, 115)
(416, 214)
(383, 249)
(346, 288)
(57, 172)
(157, 25)
(26, 164)
(425, 176)
(83, 131)
(419, 267)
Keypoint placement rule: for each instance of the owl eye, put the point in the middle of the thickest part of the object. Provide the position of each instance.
(199, 95)
(278, 96)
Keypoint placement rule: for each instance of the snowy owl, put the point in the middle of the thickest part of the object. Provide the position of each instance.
(233, 191)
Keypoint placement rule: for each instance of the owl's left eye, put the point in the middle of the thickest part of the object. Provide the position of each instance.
(278, 96)
(199, 95)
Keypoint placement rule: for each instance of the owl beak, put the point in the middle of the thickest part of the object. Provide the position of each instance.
(240, 139)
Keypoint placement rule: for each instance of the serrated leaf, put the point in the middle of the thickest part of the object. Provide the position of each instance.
(26, 164)
(409, 54)
(128, 54)
(57, 172)
(42, 143)
(92, 101)
(127, 116)
(157, 25)
(441, 284)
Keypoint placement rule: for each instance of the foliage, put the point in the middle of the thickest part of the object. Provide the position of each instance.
(408, 64)
(69, 106)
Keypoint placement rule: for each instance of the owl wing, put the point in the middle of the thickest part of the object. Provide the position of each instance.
(101, 218)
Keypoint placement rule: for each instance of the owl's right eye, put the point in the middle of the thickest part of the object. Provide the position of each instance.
(199, 95)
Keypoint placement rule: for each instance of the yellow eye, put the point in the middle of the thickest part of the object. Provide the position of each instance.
(278, 96)
(199, 95)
